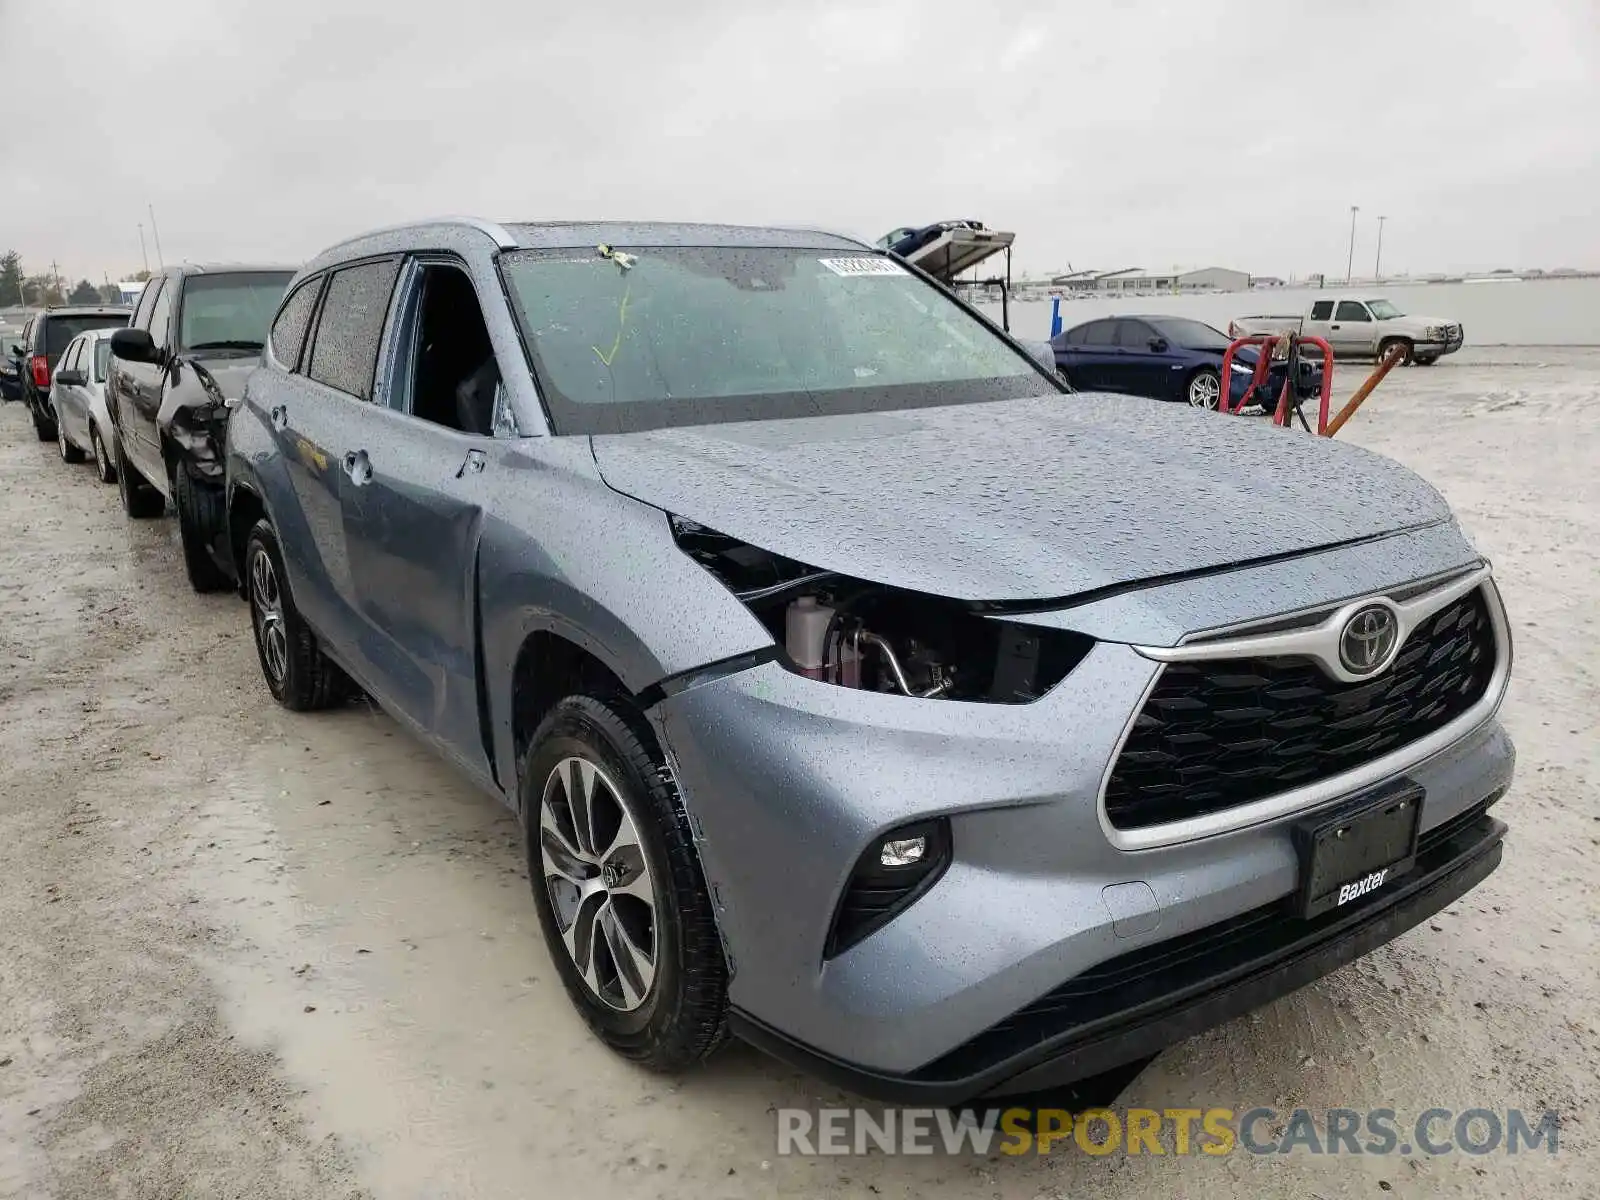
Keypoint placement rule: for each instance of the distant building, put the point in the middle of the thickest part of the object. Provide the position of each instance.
(1134, 279)
(128, 290)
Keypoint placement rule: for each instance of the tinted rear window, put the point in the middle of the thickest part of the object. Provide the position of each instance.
(58, 331)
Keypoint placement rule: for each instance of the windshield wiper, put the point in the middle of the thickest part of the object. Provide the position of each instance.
(237, 344)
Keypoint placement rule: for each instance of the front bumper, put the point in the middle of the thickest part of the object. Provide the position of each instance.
(786, 780)
(1431, 349)
(1136, 1005)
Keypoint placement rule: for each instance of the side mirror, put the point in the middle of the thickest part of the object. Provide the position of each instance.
(1158, 344)
(1042, 353)
(70, 378)
(135, 345)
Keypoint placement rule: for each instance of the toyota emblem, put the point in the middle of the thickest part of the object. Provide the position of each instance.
(1368, 639)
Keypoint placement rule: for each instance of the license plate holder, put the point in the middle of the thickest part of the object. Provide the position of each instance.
(1358, 848)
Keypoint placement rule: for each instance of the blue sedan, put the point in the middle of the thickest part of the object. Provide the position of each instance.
(1165, 358)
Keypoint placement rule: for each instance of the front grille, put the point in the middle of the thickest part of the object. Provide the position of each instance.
(1225, 732)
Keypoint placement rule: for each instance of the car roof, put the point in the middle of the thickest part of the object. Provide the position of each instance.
(571, 234)
(233, 268)
(539, 235)
(87, 310)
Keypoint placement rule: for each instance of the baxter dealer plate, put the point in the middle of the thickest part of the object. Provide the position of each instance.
(1358, 849)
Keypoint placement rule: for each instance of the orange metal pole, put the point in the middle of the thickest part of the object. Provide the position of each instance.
(1365, 390)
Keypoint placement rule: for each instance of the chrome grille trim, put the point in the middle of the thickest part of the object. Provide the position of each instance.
(1307, 643)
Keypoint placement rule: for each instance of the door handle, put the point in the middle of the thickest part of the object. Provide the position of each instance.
(358, 466)
(280, 417)
(472, 464)
(1333, 327)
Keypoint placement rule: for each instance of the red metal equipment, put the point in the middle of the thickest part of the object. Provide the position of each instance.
(1288, 402)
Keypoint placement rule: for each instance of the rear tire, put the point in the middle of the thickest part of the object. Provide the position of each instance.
(602, 749)
(43, 427)
(202, 517)
(1385, 347)
(299, 675)
(103, 465)
(139, 499)
(69, 452)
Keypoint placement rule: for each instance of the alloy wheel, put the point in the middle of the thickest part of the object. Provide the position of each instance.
(1204, 390)
(61, 438)
(266, 609)
(599, 882)
(102, 464)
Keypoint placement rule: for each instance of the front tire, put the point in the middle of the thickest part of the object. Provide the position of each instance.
(202, 517)
(298, 674)
(1204, 389)
(139, 499)
(625, 910)
(1405, 359)
(1426, 360)
(69, 452)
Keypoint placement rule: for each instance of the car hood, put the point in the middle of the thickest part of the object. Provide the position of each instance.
(1414, 319)
(1031, 499)
(221, 377)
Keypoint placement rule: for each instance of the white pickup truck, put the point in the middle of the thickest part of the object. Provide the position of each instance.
(1362, 327)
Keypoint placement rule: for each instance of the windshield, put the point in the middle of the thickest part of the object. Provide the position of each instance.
(230, 312)
(1383, 310)
(664, 336)
(58, 331)
(1191, 335)
(102, 359)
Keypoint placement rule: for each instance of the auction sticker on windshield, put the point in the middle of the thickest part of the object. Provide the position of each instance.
(862, 266)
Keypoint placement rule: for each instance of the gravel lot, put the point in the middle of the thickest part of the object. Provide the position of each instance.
(248, 953)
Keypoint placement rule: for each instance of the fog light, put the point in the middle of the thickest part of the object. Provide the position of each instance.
(903, 852)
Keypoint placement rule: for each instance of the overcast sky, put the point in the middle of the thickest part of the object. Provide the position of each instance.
(1104, 134)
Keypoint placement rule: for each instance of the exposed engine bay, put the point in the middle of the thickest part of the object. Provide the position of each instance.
(859, 634)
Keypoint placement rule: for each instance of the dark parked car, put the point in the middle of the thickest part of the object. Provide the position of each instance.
(175, 371)
(1165, 358)
(861, 691)
(44, 337)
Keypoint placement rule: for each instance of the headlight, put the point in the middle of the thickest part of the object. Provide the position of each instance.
(858, 634)
(1433, 333)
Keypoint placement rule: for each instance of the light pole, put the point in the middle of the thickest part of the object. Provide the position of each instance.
(1350, 262)
(1378, 257)
(143, 253)
(156, 233)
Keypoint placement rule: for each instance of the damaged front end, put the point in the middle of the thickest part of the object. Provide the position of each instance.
(196, 423)
(857, 633)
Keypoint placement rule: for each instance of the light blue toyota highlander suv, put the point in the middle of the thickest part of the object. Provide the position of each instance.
(862, 691)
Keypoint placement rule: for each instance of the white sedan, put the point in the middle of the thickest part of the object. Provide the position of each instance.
(78, 395)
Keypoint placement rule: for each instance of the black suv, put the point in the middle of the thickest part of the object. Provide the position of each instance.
(44, 337)
(175, 372)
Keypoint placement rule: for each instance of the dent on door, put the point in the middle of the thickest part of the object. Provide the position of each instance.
(412, 523)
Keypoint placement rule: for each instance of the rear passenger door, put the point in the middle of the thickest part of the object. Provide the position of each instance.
(1099, 357)
(1318, 322)
(139, 384)
(314, 412)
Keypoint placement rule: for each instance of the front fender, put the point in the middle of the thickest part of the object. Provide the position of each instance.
(193, 420)
(563, 553)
